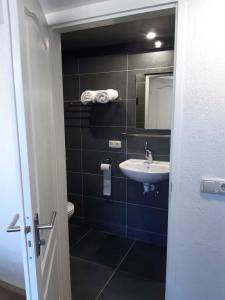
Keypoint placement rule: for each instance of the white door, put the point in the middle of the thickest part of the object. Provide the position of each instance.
(37, 143)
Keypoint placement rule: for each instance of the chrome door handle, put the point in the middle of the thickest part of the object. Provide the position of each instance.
(12, 226)
(51, 222)
(38, 227)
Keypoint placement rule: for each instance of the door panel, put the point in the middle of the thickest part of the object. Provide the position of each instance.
(37, 143)
(40, 132)
(42, 177)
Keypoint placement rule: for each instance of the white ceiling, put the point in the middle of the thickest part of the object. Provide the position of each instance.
(57, 5)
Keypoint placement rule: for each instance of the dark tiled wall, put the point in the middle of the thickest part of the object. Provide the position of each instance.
(127, 211)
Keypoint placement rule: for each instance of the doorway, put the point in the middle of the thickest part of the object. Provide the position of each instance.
(117, 241)
(121, 218)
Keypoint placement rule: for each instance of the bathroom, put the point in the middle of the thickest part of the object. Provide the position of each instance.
(118, 226)
(134, 151)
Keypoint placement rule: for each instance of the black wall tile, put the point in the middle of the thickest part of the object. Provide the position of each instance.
(157, 157)
(97, 138)
(70, 66)
(157, 198)
(127, 212)
(73, 137)
(74, 183)
(131, 113)
(72, 122)
(150, 60)
(93, 159)
(73, 160)
(99, 211)
(78, 207)
(71, 87)
(147, 219)
(72, 113)
(156, 145)
(161, 157)
(93, 187)
(104, 81)
(105, 63)
(110, 114)
(72, 110)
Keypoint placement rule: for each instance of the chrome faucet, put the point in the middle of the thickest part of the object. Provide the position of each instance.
(148, 154)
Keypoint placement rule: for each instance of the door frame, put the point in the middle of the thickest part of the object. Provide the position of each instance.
(61, 206)
(84, 22)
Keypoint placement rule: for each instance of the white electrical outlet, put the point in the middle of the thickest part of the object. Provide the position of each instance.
(114, 144)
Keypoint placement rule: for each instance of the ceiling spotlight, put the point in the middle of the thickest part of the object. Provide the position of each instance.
(151, 35)
(158, 44)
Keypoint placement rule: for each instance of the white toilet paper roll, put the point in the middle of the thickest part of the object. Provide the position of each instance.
(106, 168)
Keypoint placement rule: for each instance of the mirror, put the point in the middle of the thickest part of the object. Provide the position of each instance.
(154, 100)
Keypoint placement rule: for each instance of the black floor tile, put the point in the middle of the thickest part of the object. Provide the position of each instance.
(125, 286)
(101, 248)
(147, 261)
(87, 278)
(76, 232)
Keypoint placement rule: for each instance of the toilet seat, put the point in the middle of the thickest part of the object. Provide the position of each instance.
(70, 208)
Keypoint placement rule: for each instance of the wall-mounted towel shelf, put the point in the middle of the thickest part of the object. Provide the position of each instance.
(77, 104)
(72, 106)
(125, 134)
(117, 101)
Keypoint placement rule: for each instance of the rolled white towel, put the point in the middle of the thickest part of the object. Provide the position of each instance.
(105, 96)
(88, 96)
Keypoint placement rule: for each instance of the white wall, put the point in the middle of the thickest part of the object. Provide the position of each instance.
(196, 254)
(11, 266)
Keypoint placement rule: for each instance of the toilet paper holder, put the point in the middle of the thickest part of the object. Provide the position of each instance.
(106, 169)
(107, 161)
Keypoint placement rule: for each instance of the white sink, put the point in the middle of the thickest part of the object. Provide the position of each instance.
(140, 170)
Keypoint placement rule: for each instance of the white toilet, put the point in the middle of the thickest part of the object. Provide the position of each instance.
(70, 209)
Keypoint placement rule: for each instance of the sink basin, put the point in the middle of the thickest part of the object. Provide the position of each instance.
(139, 170)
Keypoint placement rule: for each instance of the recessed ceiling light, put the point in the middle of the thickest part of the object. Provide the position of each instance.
(151, 35)
(158, 44)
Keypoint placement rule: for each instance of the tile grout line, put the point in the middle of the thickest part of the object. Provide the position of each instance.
(115, 270)
(123, 202)
(81, 142)
(91, 262)
(83, 236)
(127, 87)
(117, 71)
(92, 174)
(113, 152)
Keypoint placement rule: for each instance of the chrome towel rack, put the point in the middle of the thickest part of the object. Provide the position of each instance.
(125, 134)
